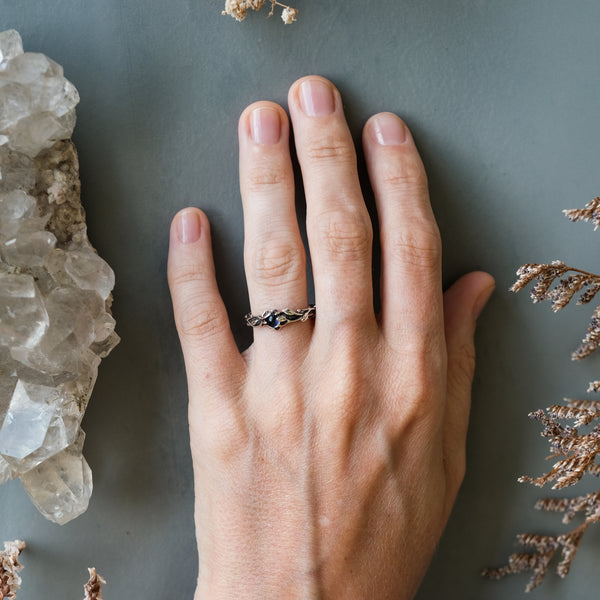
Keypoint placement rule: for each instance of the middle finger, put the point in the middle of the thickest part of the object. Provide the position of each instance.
(339, 228)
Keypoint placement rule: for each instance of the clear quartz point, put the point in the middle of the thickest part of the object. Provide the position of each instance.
(23, 316)
(10, 45)
(4, 471)
(26, 422)
(55, 291)
(61, 486)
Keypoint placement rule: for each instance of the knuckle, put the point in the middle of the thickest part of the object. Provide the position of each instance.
(345, 236)
(419, 346)
(342, 406)
(423, 361)
(345, 387)
(264, 178)
(416, 394)
(185, 273)
(412, 180)
(201, 320)
(330, 149)
(222, 437)
(416, 248)
(276, 262)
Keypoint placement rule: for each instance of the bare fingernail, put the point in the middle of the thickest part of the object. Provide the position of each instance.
(482, 301)
(389, 130)
(316, 98)
(265, 126)
(188, 226)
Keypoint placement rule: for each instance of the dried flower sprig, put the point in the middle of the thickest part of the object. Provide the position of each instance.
(238, 9)
(579, 451)
(591, 212)
(10, 580)
(576, 451)
(93, 588)
(566, 287)
(570, 282)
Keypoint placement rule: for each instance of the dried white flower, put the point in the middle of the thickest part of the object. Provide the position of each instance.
(288, 15)
(237, 8)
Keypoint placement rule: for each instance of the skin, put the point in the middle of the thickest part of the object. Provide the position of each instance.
(335, 479)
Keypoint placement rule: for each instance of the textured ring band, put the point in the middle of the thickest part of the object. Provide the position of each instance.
(276, 318)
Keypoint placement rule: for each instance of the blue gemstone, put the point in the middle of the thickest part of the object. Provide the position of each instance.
(273, 321)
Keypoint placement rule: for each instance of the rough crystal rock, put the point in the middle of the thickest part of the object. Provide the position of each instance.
(55, 291)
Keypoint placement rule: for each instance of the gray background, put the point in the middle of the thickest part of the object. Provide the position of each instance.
(502, 97)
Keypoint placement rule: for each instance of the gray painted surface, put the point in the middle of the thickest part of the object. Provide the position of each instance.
(502, 97)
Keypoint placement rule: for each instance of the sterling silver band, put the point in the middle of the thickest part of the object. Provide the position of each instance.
(276, 318)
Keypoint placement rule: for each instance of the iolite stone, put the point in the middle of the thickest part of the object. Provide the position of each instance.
(55, 291)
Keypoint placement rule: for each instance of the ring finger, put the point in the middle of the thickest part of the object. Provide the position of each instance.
(273, 251)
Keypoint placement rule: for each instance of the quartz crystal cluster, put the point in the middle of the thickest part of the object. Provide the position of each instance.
(55, 291)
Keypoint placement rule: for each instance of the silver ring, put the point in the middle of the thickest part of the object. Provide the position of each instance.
(276, 318)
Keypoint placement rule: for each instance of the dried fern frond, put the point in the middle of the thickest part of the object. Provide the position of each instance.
(591, 212)
(93, 588)
(10, 580)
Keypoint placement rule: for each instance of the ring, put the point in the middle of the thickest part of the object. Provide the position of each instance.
(276, 318)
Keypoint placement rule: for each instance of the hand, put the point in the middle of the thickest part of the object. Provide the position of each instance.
(328, 455)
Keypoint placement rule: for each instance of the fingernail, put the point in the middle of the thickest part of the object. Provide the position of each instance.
(389, 130)
(316, 98)
(482, 301)
(265, 126)
(188, 227)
